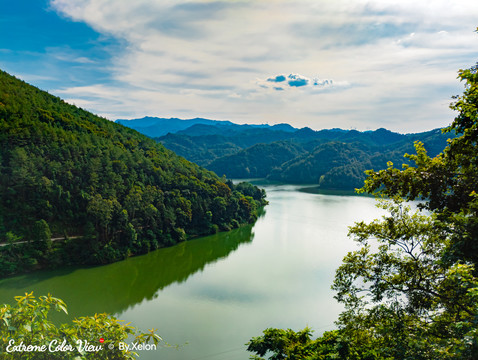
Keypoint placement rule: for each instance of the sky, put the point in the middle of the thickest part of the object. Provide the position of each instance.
(317, 63)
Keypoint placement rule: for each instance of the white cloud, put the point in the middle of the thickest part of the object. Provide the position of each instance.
(393, 61)
(292, 81)
(67, 55)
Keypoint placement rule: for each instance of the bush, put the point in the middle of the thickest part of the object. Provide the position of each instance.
(26, 333)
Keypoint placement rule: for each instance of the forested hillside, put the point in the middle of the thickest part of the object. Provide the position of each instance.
(342, 165)
(314, 166)
(67, 172)
(256, 161)
(332, 159)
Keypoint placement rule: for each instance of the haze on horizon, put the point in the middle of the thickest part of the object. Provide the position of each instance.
(348, 64)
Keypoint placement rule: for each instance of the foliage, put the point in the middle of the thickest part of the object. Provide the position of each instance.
(411, 290)
(201, 150)
(401, 296)
(65, 171)
(256, 161)
(449, 181)
(281, 344)
(26, 325)
(41, 235)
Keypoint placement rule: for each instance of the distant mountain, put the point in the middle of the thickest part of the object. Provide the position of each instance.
(204, 147)
(156, 127)
(331, 158)
(341, 165)
(310, 167)
(338, 165)
(283, 127)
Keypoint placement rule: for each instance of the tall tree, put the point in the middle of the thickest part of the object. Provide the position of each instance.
(411, 290)
(42, 235)
(447, 183)
(416, 294)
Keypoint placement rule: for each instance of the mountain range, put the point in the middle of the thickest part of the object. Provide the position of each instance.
(331, 158)
(155, 127)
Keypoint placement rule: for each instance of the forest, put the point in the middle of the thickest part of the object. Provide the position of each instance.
(105, 191)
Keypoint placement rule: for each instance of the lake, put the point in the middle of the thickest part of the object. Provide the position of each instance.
(211, 295)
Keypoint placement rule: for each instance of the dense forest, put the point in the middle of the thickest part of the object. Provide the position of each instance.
(110, 191)
(342, 165)
(332, 159)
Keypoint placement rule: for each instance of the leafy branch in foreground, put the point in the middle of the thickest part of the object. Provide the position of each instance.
(288, 344)
(402, 298)
(415, 296)
(27, 333)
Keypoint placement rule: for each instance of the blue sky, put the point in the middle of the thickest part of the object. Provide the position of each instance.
(318, 63)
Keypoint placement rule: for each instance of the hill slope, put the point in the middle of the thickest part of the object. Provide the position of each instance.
(256, 161)
(299, 156)
(66, 171)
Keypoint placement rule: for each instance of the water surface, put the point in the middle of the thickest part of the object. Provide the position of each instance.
(216, 292)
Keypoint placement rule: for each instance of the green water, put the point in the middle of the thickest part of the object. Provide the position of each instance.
(211, 295)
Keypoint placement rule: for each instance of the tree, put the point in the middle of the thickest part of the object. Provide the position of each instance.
(402, 299)
(416, 295)
(448, 183)
(289, 344)
(411, 290)
(27, 333)
(41, 235)
(102, 211)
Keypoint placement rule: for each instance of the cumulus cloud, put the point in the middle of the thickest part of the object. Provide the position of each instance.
(323, 83)
(276, 79)
(296, 80)
(292, 80)
(300, 81)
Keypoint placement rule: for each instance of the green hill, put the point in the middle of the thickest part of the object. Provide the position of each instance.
(310, 167)
(65, 171)
(301, 156)
(256, 161)
(201, 149)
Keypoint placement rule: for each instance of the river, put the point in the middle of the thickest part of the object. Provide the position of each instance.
(209, 296)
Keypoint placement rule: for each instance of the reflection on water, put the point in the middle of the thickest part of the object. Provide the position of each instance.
(116, 287)
(214, 293)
